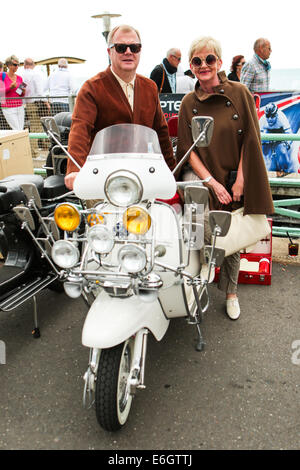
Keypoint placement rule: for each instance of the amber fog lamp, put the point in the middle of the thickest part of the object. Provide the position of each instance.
(95, 219)
(137, 220)
(67, 217)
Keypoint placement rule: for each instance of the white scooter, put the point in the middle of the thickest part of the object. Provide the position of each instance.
(137, 257)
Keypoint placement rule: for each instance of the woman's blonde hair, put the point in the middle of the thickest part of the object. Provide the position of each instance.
(205, 42)
(10, 59)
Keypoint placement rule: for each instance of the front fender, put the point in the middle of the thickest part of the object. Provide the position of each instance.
(111, 320)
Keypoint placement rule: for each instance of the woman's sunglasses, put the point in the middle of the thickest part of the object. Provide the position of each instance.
(209, 60)
(122, 48)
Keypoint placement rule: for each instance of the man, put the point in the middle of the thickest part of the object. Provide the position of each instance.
(185, 83)
(164, 75)
(116, 95)
(60, 84)
(35, 107)
(255, 74)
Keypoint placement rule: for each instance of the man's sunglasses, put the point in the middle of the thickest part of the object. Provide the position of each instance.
(122, 48)
(209, 60)
(15, 65)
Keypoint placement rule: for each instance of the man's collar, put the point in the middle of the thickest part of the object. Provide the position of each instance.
(121, 79)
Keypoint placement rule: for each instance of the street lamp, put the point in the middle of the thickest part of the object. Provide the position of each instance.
(106, 22)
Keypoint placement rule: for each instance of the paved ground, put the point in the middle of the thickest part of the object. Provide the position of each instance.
(242, 392)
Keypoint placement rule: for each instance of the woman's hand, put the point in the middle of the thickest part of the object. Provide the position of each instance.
(237, 190)
(220, 191)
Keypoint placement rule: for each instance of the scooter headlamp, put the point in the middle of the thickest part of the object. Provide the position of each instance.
(123, 188)
(137, 220)
(100, 239)
(132, 258)
(65, 254)
(67, 217)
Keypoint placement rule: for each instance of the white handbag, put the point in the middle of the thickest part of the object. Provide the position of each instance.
(244, 232)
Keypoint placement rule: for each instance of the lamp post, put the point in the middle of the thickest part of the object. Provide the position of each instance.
(106, 21)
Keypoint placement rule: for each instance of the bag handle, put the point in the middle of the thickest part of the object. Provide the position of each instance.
(163, 78)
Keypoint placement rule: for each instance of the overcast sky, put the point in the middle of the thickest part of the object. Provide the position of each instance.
(65, 28)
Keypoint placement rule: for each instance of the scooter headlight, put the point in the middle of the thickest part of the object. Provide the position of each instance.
(137, 220)
(67, 217)
(132, 258)
(65, 254)
(123, 188)
(100, 239)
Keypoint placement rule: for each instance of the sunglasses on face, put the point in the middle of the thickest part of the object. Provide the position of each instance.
(15, 65)
(122, 48)
(209, 60)
(177, 58)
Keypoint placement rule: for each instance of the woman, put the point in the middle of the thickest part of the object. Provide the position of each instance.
(13, 109)
(235, 146)
(236, 67)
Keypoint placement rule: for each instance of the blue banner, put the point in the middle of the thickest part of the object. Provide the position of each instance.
(278, 113)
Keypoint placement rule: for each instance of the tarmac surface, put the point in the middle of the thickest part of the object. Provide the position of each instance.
(241, 392)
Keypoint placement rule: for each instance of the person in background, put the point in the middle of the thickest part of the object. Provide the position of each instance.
(184, 82)
(2, 77)
(34, 87)
(235, 147)
(60, 83)
(115, 96)
(164, 75)
(255, 74)
(13, 109)
(236, 67)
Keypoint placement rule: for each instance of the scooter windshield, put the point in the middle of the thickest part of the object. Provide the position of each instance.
(126, 138)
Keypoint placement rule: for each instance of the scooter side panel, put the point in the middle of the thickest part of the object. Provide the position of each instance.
(171, 295)
(111, 320)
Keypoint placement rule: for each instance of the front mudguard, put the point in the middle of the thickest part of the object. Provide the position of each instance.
(112, 320)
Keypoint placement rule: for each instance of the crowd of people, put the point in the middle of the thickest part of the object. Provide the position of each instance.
(120, 95)
(33, 86)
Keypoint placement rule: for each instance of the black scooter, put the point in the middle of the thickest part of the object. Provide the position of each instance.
(27, 233)
(56, 162)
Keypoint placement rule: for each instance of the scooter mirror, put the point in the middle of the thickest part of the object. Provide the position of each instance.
(24, 215)
(31, 192)
(202, 129)
(221, 219)
(196, 194)
(49, 124)
(218, 255)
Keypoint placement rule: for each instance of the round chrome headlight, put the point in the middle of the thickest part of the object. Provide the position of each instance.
(65, 254)
(132, 258)
(123, 188)
(100, 239)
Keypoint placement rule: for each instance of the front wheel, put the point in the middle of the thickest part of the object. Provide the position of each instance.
(112, 398)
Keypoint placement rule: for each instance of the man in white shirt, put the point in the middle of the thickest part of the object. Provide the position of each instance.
(35, 106)
(60, 84)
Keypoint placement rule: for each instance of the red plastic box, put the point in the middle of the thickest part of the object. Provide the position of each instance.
(262, 250)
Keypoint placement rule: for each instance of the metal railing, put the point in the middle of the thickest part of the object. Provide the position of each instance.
(36, 107)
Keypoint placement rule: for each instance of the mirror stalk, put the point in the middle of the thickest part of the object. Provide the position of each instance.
(208, 124)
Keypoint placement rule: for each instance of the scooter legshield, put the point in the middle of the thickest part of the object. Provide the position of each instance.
(111, 320)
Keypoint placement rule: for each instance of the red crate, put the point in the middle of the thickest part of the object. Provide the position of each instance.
(263, 249)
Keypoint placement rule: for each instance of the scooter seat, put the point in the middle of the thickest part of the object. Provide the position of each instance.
(11, 193)
(54, 186)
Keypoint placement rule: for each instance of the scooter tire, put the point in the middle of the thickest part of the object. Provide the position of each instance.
(112, 402)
